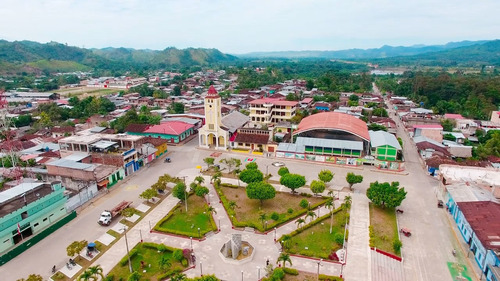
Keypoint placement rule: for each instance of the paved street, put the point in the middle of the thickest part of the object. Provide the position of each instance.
(425, 252)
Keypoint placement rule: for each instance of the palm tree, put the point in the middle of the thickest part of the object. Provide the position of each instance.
(86, 276)
(178, 277)
(216, 176)
(347, 202)
(199, 180)
(232, 205)
(311, 214)
(96, 271)
(164, 263)
(330, 205)
(330, 193)
(263, 218)
(211, 210)
(300, 221)
(285, 241)
(284, 257)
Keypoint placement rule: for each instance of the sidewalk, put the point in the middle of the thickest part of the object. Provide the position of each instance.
(358, 262)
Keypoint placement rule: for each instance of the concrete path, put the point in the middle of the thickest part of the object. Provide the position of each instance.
(385, 268)
(358, 262)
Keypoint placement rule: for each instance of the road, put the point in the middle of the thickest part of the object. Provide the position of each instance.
(425, 252)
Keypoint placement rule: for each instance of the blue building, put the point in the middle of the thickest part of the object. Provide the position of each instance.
(479, 224)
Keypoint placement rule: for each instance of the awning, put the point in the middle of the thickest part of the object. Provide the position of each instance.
(103, 183)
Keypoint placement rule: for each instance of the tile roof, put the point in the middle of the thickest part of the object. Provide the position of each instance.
(453, 116)
(155, 141)
(484, 219)
(137, 128)
(252, 138)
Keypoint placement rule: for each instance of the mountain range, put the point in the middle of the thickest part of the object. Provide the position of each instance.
(33, 57)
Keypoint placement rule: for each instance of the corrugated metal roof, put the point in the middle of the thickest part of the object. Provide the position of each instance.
(380, 138)
(343, 144)
(18, 190)
(71, 164)
(102, 144)
(291, 147)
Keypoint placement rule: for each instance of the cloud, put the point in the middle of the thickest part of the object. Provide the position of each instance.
(243, 26)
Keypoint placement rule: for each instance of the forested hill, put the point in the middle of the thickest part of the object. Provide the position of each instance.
(28, 56)
(475, 55)
(382, 52)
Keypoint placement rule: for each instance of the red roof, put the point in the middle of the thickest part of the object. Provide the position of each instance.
(453, 116)
(334, 121)
(274, 102)
(169, 128)
(307, 100)
(212, 93)
(155, 141)
(428, 126)
(484, 219)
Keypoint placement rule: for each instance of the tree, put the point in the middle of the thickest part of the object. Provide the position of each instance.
(148, 194)
(251, 175)
(232, 205)
(216, 177)
(491, 147)
(201, 190)
(135, 276)
(209, 161)
(211, 210)
(164, 262)
(300, 222)
(199, 179)
(317, 187)
(76, 247)
(449, 137)
(293, 181)
(448, 125)
(309, 84)
(347, 202)
(261, 191)
(377, 127)
(330, 205)
(230, 162)
(352, 179)
(252, 166)
(282, 171)
(285, 241)
(176, 91)
(263, 218)
(311, 214)
(285, 257)
(45, 120)
(177, 107)
(32, 277)
(385, 194)
(325, 176)
(304, 203)
(96, 271)
(179, 191)
(381, 112)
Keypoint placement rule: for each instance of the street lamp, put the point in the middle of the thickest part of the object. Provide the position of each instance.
(258, 272)
(275, 234)
(191, 238)
(128, 252)
(242, 275)
(199, 232)
(219, 225)
(319, 264)
(201, 269)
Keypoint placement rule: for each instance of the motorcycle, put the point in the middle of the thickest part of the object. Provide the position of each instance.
(72, 262)
(89, 254)
(68, 266)
(53, 269)
(454, 252)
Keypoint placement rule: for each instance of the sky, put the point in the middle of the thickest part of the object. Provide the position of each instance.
(238, 27)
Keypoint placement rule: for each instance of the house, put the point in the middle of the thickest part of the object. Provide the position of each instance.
(432, 131)
(495, 117)
(62, 131)
(428, 147)
(173, 131)
(306, 102)
(27, 209)
(384, 146)
(322, 106)
(256, 141)
(266, 111)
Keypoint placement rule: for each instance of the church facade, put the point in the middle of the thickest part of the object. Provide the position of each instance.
(213, 134)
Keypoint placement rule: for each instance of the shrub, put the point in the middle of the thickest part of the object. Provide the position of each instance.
(109, 278)
(124, 260)
(162, 248)
(323, 277)
(397, 244)
(275, 216)
(339, 238)
(291, 271)
(184, 262)
(333, 256)
(304, 203)
(177, 255)
(290, 210)
(305, 194)
(278, 274)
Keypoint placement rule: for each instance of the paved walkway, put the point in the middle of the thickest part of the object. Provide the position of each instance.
(208, 259)
(358, 265)
(385, 268)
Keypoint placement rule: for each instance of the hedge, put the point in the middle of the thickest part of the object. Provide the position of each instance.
(314, 222)
(324, 277)
(131, 254)
(291, 271)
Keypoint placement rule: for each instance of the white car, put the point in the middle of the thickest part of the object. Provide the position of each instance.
(278, 164)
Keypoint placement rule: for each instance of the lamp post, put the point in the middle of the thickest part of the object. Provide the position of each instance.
(242, 275)
(319, 264)
(275, 234)
(199, 232)
(191, 238)
(128, 253)
(258, 272)
(219, 225)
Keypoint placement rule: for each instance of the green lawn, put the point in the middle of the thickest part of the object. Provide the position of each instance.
(187, 224)
(384, 228)
(149, 255)
(248, 211)
(317, 238)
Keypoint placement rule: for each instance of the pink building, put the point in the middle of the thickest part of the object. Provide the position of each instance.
(432, 131)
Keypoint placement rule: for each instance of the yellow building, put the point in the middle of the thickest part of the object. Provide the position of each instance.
(213, 134)
(270, 111)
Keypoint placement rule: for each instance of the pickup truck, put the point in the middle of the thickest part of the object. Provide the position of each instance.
(108, 215)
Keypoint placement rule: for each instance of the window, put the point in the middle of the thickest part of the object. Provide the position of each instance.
(24, 215)
(35, 225)
(6, 241)
(45, 219)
